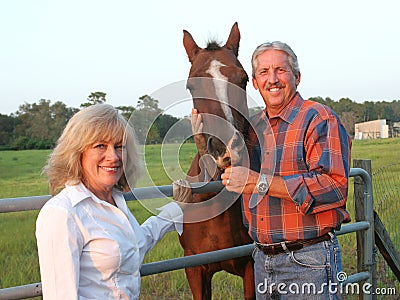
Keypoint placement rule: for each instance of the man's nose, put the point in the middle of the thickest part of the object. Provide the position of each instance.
(272, 77)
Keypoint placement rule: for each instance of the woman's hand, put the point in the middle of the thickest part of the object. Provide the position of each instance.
(181, 191)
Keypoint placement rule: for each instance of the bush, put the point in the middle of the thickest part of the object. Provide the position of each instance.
(25, 143)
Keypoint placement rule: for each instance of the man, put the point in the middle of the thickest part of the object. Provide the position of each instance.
(294, 201)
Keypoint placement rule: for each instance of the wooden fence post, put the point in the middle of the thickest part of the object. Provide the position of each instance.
(360, 216)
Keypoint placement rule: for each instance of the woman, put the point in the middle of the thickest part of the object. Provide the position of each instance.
(90, 245)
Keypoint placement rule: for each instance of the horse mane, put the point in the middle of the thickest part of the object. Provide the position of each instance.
(213, 45)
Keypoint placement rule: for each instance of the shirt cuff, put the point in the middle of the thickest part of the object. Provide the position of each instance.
(172, 212)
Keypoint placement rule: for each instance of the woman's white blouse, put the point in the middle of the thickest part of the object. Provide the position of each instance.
(90, 249)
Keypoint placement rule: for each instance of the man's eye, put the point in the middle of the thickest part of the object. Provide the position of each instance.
(120, 147)
(281, 70)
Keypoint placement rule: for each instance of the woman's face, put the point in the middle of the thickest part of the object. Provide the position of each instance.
(102, 164)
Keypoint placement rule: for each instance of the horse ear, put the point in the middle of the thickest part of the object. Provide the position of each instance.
(233, 40)
(190, 45)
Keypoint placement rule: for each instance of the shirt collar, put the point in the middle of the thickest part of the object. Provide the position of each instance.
(291, 110)
(80, 192)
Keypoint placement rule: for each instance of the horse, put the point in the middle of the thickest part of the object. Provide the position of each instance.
(217, 82)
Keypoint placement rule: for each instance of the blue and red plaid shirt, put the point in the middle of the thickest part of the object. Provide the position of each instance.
(312, 155)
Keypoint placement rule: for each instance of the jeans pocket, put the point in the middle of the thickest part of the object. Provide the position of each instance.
(314, 256)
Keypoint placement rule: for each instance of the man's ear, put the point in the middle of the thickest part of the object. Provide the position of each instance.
(298, 79)
(255, 84)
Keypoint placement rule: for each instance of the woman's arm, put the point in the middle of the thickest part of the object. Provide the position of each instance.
(59, 250)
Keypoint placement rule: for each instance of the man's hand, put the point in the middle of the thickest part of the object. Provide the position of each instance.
(197, 130)
(240, 180)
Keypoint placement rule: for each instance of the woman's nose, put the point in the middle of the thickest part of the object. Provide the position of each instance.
(112, 153)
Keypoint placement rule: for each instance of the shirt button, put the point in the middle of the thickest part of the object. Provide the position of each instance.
(134, 249)
(136, 273)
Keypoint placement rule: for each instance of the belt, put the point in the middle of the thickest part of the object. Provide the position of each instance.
(277, 248)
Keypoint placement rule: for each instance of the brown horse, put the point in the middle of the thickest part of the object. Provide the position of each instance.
(217, 82)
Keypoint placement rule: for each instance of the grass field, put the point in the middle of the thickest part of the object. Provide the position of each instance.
(20, 175)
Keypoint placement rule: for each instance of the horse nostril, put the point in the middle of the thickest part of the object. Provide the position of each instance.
(227, 160)
(216, 147)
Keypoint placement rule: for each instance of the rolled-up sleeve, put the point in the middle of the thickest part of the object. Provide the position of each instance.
(325, 185)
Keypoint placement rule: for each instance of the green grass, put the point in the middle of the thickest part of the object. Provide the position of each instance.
(20, 176)
(20, 173)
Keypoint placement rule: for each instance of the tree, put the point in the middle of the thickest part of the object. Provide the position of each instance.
(348, 121)
(7, 129)
(149, 103)
(164, 123)
(126, 111)
(40, 124)
(95, 98)
(143, 120)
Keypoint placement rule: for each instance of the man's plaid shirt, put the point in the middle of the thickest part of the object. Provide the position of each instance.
(312, 154)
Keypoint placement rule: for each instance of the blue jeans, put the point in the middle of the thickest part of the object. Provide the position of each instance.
(308, 273)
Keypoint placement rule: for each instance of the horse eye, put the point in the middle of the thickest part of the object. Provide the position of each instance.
(245, 80)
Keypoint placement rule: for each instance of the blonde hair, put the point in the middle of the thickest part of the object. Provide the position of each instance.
(100, 122)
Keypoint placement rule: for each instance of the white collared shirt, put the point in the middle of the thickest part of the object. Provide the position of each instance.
(90, 249)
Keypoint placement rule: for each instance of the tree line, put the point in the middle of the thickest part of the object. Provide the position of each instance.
(38, 125)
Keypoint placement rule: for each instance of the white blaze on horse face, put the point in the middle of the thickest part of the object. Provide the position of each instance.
(221, 88)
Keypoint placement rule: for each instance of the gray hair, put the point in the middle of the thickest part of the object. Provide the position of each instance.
(276, 45)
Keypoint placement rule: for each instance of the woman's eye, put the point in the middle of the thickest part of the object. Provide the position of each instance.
(99, 146)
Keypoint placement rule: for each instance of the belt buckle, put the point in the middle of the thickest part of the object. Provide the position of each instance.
(271, 249)
(274, 249)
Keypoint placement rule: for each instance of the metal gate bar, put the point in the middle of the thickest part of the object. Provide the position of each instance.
(35, 289)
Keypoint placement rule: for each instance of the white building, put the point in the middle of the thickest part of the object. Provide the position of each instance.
(371, 130)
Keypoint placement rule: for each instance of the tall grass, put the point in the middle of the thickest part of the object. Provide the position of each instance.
(20, 176)
(20, 173)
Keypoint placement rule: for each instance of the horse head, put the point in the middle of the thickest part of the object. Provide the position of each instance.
(217, 82)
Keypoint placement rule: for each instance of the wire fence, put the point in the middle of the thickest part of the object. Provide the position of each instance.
(386, 192)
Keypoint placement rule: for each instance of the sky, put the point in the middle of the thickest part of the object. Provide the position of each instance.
(65, 50)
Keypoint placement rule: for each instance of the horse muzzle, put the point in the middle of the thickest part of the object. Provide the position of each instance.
(227, 153)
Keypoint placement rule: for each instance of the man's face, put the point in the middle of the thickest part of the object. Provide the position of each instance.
(275, 80)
